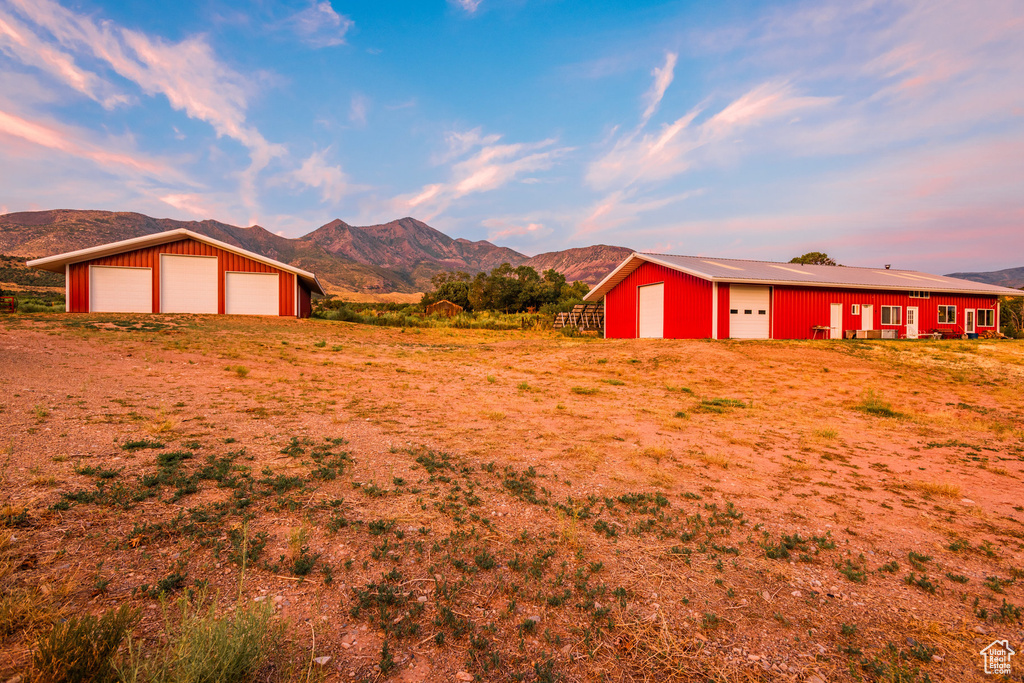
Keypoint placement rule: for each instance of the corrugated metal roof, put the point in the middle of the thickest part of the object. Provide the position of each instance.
(770, 273)
(56, 263)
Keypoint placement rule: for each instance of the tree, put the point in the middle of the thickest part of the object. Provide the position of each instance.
(505, 289)
(453, 286)
(815, 258)
(1011, 315)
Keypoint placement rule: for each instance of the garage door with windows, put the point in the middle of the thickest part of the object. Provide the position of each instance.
(748, 312)
(113, 289)
(188, 284)
(251, 293)
(651, 299)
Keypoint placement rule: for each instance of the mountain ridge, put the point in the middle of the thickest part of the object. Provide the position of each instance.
(1007, 277)
(397, 256)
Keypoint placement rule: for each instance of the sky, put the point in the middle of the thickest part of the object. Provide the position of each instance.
(878, 132)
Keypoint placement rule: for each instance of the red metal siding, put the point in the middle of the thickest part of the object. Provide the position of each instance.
(798, 309)
(149, 257)
(723, 310)
(687, 304)
(305, 305)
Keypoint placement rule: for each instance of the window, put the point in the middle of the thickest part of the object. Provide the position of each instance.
(892, 315)
(760, 312)
(986, 317)
(920, 295)
(947, 315)
(747, 311)
(734, 311)
(854, 309)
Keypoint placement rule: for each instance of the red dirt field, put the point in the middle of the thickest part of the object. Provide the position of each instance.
(519, 505)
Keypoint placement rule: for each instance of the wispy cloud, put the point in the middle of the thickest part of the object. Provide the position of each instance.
(320, 26)
(662, 79)
(640, 157)
(503, 228)
(21, 43)
(187, 73)
(490, 166)
(315, 172)
(358, 109)
(74, 143)
(470, 6)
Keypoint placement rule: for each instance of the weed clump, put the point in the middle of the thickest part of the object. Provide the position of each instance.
(873, 404)
(83, 649)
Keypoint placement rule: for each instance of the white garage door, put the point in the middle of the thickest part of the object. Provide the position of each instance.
(188, 284)
(652, 311)
(251, 294)
(120, 290)
(748, 312)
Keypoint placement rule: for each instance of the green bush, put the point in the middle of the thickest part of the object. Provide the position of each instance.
(204, 648)
(83, 648)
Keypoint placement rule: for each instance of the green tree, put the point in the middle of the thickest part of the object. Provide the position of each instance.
(1011, 315)
(815, 258)
(453, 286)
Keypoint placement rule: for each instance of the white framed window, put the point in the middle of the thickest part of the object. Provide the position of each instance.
(986, 317)
(892, 315)
(920, 295)
(947, 315)
(854, 309)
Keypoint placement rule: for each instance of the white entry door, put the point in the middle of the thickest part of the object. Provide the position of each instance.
(120, 290)
(651, 300)
(969, 320)
(748, 311)
(867, 317)
(251, 294)
(835, 323)
(911, 322)
(188, 284)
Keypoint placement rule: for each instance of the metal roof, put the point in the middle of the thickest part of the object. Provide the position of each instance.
(771, 273)
(57, 263)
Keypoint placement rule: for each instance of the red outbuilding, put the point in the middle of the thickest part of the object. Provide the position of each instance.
(692, 297)
(180, 271)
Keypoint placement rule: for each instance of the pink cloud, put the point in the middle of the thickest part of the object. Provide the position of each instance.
(70, 143)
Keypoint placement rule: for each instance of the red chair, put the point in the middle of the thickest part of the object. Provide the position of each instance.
(8, 304)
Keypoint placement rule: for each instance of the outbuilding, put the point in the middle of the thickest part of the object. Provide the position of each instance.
(693, 297)
(180, 271)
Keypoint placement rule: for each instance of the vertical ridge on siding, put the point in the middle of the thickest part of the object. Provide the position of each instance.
(723, 310)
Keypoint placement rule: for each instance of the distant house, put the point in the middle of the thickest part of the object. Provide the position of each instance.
(692, 297)
(444, 307)
(180, 271)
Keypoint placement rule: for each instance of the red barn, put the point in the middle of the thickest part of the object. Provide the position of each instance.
(180, 271)
(691, 297)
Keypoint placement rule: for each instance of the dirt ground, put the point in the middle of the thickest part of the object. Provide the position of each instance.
(522, 505)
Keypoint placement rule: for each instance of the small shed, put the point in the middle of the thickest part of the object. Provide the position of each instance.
(180, 271)
(445, 308)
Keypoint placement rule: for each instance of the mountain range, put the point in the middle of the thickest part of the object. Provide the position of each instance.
(1010, 277)
(400, 256)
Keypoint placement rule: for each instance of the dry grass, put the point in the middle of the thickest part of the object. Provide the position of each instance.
(940, 489)
(716, 459)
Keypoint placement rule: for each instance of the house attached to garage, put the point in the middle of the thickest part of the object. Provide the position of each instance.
(692, 297)
(180, 271)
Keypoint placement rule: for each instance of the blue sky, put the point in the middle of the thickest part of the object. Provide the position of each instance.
(880, 132)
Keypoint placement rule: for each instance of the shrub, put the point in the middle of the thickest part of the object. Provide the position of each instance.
(874, 404)
(83, 648)
(204, 647)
